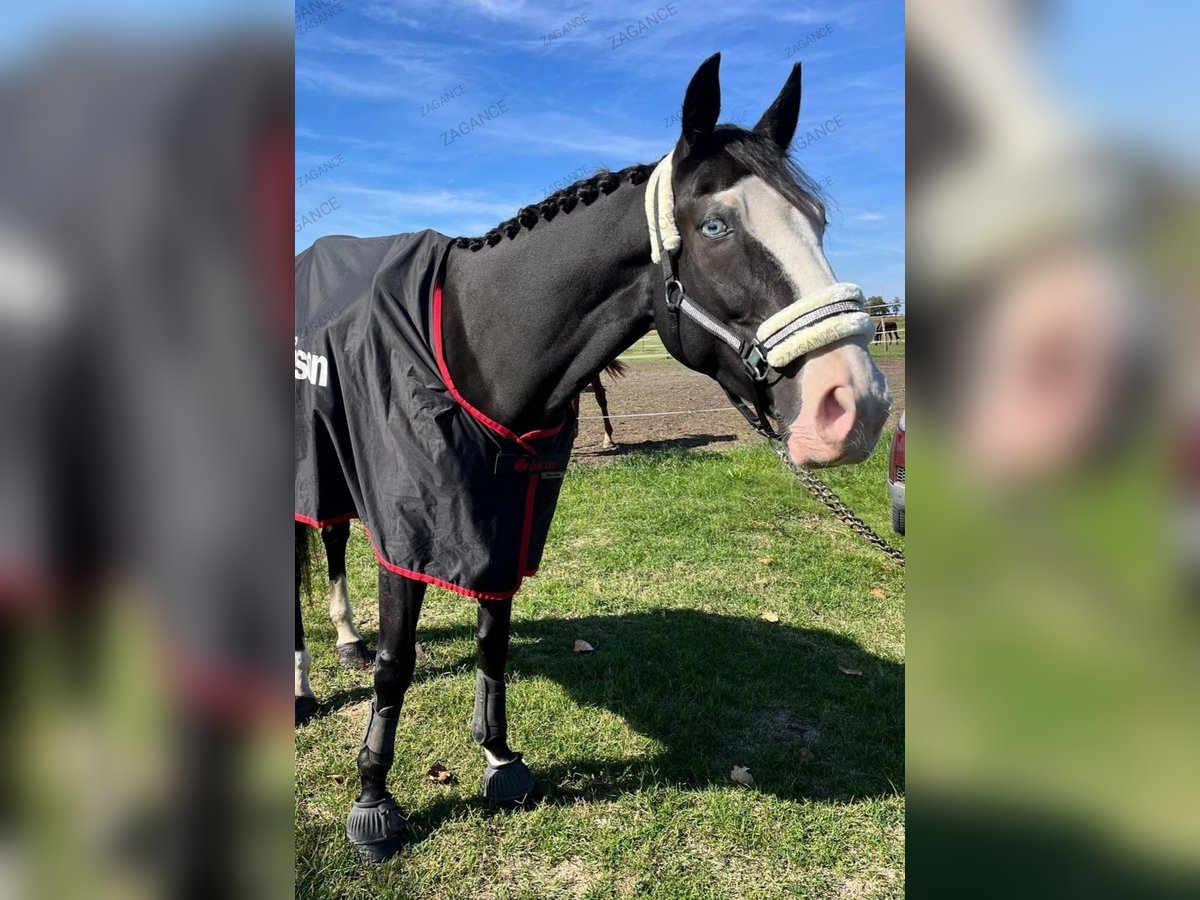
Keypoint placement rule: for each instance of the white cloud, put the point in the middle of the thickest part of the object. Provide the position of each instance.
(329, 81)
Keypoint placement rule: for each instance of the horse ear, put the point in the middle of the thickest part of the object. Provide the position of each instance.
(702, 102)
(779, 121)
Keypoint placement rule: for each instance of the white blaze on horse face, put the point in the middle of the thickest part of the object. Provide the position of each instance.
(303, 660)
(844, 399)
(784, 231)
(341, 613)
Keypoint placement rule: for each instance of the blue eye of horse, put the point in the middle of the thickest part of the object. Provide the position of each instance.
(714, 228)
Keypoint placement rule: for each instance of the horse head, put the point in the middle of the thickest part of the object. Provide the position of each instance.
(744, 235)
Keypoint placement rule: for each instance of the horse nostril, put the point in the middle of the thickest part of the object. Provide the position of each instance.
(835, 414)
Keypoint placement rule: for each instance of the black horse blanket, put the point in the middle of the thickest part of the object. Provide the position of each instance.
(447, 495)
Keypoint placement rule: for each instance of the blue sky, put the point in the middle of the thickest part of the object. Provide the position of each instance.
(365, 77)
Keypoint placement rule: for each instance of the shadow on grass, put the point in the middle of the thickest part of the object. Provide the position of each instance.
(714, 691)
(688, 442)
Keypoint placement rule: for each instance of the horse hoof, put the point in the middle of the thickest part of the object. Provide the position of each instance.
(354, 655)
(306, 707)
(510, 786)
(375, 830)
(609, 445)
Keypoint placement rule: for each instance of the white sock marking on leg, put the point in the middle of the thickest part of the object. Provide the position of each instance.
(494, 761)
(303, 660)
(341, 613)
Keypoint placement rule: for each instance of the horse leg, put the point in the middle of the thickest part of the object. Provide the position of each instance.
(602, 402)
(352, 653)
(376, 823)
(306, 702)
(507, 781)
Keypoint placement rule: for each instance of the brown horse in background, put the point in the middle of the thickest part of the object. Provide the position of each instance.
(615, 369)
(887, 330)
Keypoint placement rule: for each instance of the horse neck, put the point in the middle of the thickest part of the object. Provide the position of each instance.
(528, 323)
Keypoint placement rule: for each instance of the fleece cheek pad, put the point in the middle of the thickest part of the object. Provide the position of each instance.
(815, 321)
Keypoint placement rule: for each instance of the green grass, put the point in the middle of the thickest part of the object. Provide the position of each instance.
(887, 351)
(649, 346)
(664, 563)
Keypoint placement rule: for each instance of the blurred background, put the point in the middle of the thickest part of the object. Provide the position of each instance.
(1053, 726)
(145, 569)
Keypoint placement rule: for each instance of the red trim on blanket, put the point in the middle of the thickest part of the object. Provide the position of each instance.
(430, 579)
(321, 523)
(421, 576)
(438, 351)
(530, 500)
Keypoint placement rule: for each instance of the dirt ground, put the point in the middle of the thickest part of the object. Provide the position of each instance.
(663, 386)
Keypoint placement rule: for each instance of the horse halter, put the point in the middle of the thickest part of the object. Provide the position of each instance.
(810, 323)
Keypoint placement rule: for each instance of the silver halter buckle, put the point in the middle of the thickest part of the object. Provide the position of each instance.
(755, 360)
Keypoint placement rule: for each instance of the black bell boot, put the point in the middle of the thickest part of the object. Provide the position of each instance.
(507, 782)
(377, 826)
(376, 829)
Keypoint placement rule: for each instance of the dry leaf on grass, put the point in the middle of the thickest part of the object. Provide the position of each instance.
(583, 647)
(806, 754)
(769, 616)
(767, 561)
(846, 671)
(422, 652)
(439, 774)
(338, 779)
(877, 594)
(741, 775)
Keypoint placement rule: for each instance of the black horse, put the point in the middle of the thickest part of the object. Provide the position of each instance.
(718, 246)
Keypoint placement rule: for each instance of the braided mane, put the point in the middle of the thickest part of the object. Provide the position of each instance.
(584, 191)
(751, 150)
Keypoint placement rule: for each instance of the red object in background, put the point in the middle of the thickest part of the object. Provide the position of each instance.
(896, 459)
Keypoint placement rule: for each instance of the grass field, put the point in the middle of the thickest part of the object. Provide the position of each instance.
(665, 564)
(887, 351)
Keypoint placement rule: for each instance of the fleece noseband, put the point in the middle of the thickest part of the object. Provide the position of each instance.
(831, 314)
